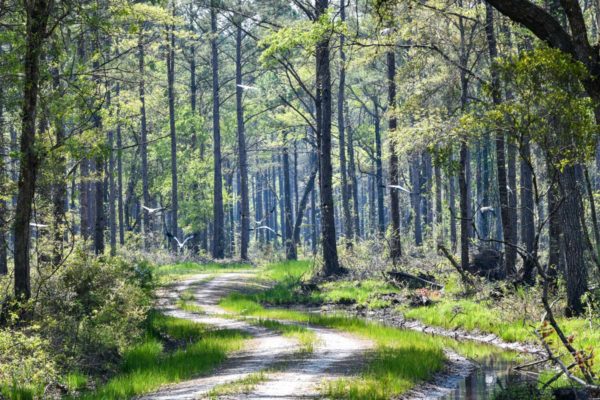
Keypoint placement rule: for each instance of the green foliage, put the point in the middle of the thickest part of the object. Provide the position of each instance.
(27, 363)
(148, 365)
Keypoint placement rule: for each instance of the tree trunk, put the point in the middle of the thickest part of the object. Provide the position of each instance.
(347, 214)
(527, 212)
(38, 12)
(571, 211)
(144, 142)
(112, 213)
(395, 243)
(3, 179)
(99, 215)
(290, 247)
(120, 171)
(242, 155)
(173, 133)
(379, 174)
(508, 229)
(323, 106)
(415, 178)
(439, 229)
(218, 245)
(353, 182)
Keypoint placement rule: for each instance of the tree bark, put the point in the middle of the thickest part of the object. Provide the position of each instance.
(242, 155)
(38, 12)
(348, 222)
(395, 243)
(323, 107)
(290, 247)
(218, 245)
(379, 174)
(144, 141)
(3, 207)
(527, 212)
(571, 211)
(172, 132)
(120, 172)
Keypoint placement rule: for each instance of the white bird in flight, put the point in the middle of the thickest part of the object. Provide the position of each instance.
(399, 188)
(246, 87)
(182, 244)
(268, 228)
(153, 210)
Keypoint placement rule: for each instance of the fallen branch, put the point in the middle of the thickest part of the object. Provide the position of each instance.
(463, 274)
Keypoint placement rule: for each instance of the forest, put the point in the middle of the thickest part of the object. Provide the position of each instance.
(269, 199)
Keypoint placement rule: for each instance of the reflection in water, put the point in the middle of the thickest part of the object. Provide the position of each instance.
(491, 375)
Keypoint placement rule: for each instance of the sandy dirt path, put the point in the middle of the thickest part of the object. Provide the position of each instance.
(335, 354)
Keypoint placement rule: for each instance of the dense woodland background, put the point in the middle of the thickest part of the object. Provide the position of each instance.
(294, 129)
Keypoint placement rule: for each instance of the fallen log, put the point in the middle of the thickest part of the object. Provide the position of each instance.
(412, 280)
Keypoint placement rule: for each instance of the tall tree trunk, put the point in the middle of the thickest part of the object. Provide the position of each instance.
(144, 141)
(508, 229)
(415, 178)
(554, 224)
(379, 174)
(527, 212)
(313, 222)
(218, 245)
(348, 229)
(290, 246)
(172, 132)
(98, 162)
(571, 212)
(112, 194)
(353, 182)
(323, 106)
(439, 229)
(38, 12)
(242, 155)
(463, 175)
(452, 207)
(120, 171)
(3, 179)
(395, 243)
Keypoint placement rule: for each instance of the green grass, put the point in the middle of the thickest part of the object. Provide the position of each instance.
(305, 337)
(366, 293)
(147, 365)
(241, 386)
(186, 302)
(469, 315)
(483, 316)
(401, 359)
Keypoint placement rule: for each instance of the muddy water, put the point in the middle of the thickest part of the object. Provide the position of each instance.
(491, 374)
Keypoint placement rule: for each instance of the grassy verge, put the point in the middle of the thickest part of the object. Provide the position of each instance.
(148, 365)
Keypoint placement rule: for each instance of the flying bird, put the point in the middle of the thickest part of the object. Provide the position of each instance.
(152, 211)
(34, 225)
(246, 87)
(399, 188)
(180, 244)
(268, 228)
